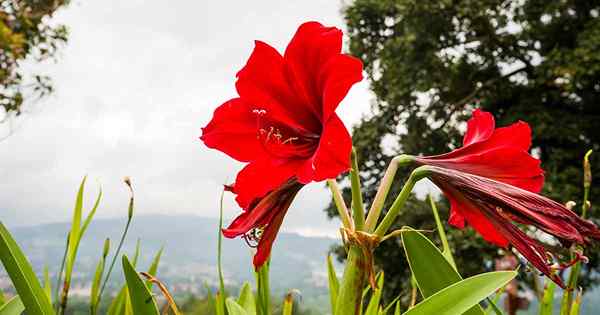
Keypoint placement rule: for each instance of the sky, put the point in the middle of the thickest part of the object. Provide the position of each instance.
(134, 85)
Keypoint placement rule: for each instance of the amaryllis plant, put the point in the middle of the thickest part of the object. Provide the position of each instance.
(284, 126)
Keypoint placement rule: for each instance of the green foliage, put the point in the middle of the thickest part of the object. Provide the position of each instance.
(13, 307)
(26, 32)
(430, 268)
(334, 284)
(462, 296)
(142, 301)
(430, 63)
(22, 276)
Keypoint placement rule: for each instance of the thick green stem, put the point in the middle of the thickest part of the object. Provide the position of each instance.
(340, 205)
(416, 175)
(358, 208)
(349, 301)
(384, 189)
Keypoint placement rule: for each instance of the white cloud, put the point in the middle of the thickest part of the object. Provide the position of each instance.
(134, 85)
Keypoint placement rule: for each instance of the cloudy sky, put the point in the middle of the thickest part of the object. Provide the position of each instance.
(134, 85)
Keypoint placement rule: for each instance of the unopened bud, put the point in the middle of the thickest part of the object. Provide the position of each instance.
(127, 181)
(570, 204)
(587, 170)
(106, 247)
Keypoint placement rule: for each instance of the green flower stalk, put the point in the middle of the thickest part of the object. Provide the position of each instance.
(130, 209)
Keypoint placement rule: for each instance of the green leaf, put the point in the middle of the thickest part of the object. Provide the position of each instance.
(334, 284)
(233, 308)
(397, 309)
(462, 296)
(446, 251)
(74, 236)
(576, 304)
(47, 285)
(547, 303)
(246, 299)
(141, 299)
(373, 306)
(23, 278)
(2, 298)
(117, 305)
(13, 307)
(431, 269)
(96, 284)
(154, 267)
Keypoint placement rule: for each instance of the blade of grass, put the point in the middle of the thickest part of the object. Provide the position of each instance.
(220, 298)
(22, 276)
(14, 306)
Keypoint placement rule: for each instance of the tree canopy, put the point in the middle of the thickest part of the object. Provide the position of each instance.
(26, 33)
(430, 63)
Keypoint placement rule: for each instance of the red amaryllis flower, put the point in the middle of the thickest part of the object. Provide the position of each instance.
(284, 124)
(492, 208)
(500, 154)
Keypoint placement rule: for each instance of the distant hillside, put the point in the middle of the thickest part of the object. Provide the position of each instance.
(189, 258)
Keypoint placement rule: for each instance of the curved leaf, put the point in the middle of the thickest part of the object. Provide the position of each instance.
(233, 308)
(13, 307)
(23, 278)
(142, 302)
(430, 268)
(461, 296)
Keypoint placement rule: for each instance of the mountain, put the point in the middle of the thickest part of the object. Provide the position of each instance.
(190, 253)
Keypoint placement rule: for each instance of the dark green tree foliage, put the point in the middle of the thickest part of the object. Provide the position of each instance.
(430, 63)
(26, 33)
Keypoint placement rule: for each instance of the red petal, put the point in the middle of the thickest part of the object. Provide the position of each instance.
(336, 79)
(474, 216)
(268, 237)
(262, 82)
(260, 177)
(503, 164)
(332, 157)
(306, 56)
(479, 128)
(233, 131)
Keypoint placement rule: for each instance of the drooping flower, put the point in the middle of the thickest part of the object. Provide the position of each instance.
(284, 125)
(492, 208)
(497, 153)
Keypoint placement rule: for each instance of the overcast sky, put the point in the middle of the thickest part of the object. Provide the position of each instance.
(134, 85)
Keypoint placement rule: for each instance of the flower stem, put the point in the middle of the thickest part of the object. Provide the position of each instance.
(340, 205)
(416, 175)
(349, 299)
(383, 190)
(358, 208)
(567, 300)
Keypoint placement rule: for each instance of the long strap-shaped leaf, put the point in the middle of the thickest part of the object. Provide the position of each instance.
(431, 269)
(142, 302)
(23, 278)
(13, 307)
(461, 296)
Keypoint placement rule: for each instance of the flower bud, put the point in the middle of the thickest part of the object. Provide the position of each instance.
(106, 247)
(587, 170)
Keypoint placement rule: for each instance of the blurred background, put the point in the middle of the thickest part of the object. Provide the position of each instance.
(121, 88)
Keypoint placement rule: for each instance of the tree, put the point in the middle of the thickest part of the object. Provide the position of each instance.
(26, 34)
(430, 63)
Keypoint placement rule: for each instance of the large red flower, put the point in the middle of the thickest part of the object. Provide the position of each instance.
(500, 154)
(284, 124)
(492, 208)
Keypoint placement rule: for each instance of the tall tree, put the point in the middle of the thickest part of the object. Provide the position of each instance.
(26, 33)
(430, 63)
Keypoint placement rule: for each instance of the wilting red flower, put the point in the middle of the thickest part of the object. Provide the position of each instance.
(492, 207)
(500, 154)
(284, 124)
